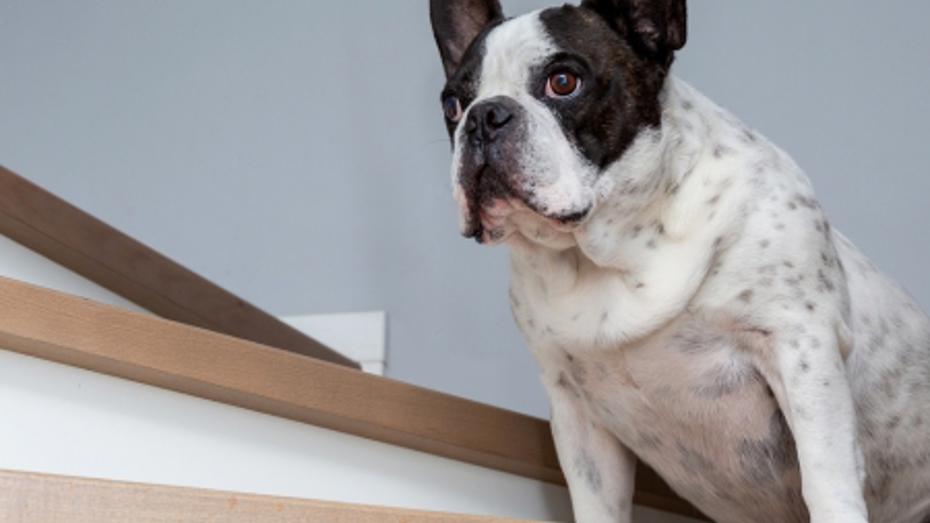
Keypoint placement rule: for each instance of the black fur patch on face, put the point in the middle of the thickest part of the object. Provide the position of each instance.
(619, 96)
(463, 83)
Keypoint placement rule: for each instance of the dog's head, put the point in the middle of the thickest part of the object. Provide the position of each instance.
(541, 106)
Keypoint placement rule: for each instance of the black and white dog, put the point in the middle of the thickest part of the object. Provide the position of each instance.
(674, 275)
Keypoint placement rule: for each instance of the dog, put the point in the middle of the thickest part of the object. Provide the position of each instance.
(687, 300)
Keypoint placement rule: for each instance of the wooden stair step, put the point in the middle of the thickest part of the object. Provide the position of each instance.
(30, 497)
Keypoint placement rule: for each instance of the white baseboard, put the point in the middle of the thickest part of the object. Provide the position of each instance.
(360, 336)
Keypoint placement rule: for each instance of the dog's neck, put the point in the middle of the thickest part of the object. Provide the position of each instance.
(665, 210)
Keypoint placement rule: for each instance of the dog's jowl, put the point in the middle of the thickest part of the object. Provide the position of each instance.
(686, 298)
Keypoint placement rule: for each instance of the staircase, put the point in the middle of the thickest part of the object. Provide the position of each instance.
(135, 390)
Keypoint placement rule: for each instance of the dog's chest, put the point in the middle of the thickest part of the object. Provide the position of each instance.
(688, 402)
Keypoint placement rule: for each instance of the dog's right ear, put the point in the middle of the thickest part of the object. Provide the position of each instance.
(456, 24)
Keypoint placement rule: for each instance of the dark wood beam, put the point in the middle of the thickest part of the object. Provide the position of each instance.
(74, 239)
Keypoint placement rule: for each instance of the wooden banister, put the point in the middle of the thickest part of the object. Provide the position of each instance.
(73, 238)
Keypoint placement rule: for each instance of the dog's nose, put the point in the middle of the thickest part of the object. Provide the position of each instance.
(489, 119)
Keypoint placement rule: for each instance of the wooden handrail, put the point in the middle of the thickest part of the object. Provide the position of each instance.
(140, 347)
(28, 498)
(73, 238)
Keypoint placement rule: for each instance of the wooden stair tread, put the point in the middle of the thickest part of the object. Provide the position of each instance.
(29, 497)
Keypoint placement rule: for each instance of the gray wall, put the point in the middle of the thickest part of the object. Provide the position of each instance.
(293, 151)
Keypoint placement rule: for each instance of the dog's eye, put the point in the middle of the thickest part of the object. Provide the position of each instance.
(452, 108)
(562, 84)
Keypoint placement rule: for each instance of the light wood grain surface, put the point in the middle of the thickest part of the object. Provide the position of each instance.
(167, 354)
(71, 237)
(35, 498)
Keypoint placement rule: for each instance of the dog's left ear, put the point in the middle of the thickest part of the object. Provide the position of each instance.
(657, 27)
(456, 23)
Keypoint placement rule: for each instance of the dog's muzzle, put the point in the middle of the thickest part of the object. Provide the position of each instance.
(492, 134)
(490, 121)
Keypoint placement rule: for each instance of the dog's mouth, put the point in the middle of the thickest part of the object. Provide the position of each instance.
(486, 198)
(490, 204)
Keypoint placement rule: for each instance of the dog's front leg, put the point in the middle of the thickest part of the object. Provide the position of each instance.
(806, 372)
(599, 469)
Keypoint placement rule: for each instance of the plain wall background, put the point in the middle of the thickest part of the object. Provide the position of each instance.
(293, 151)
